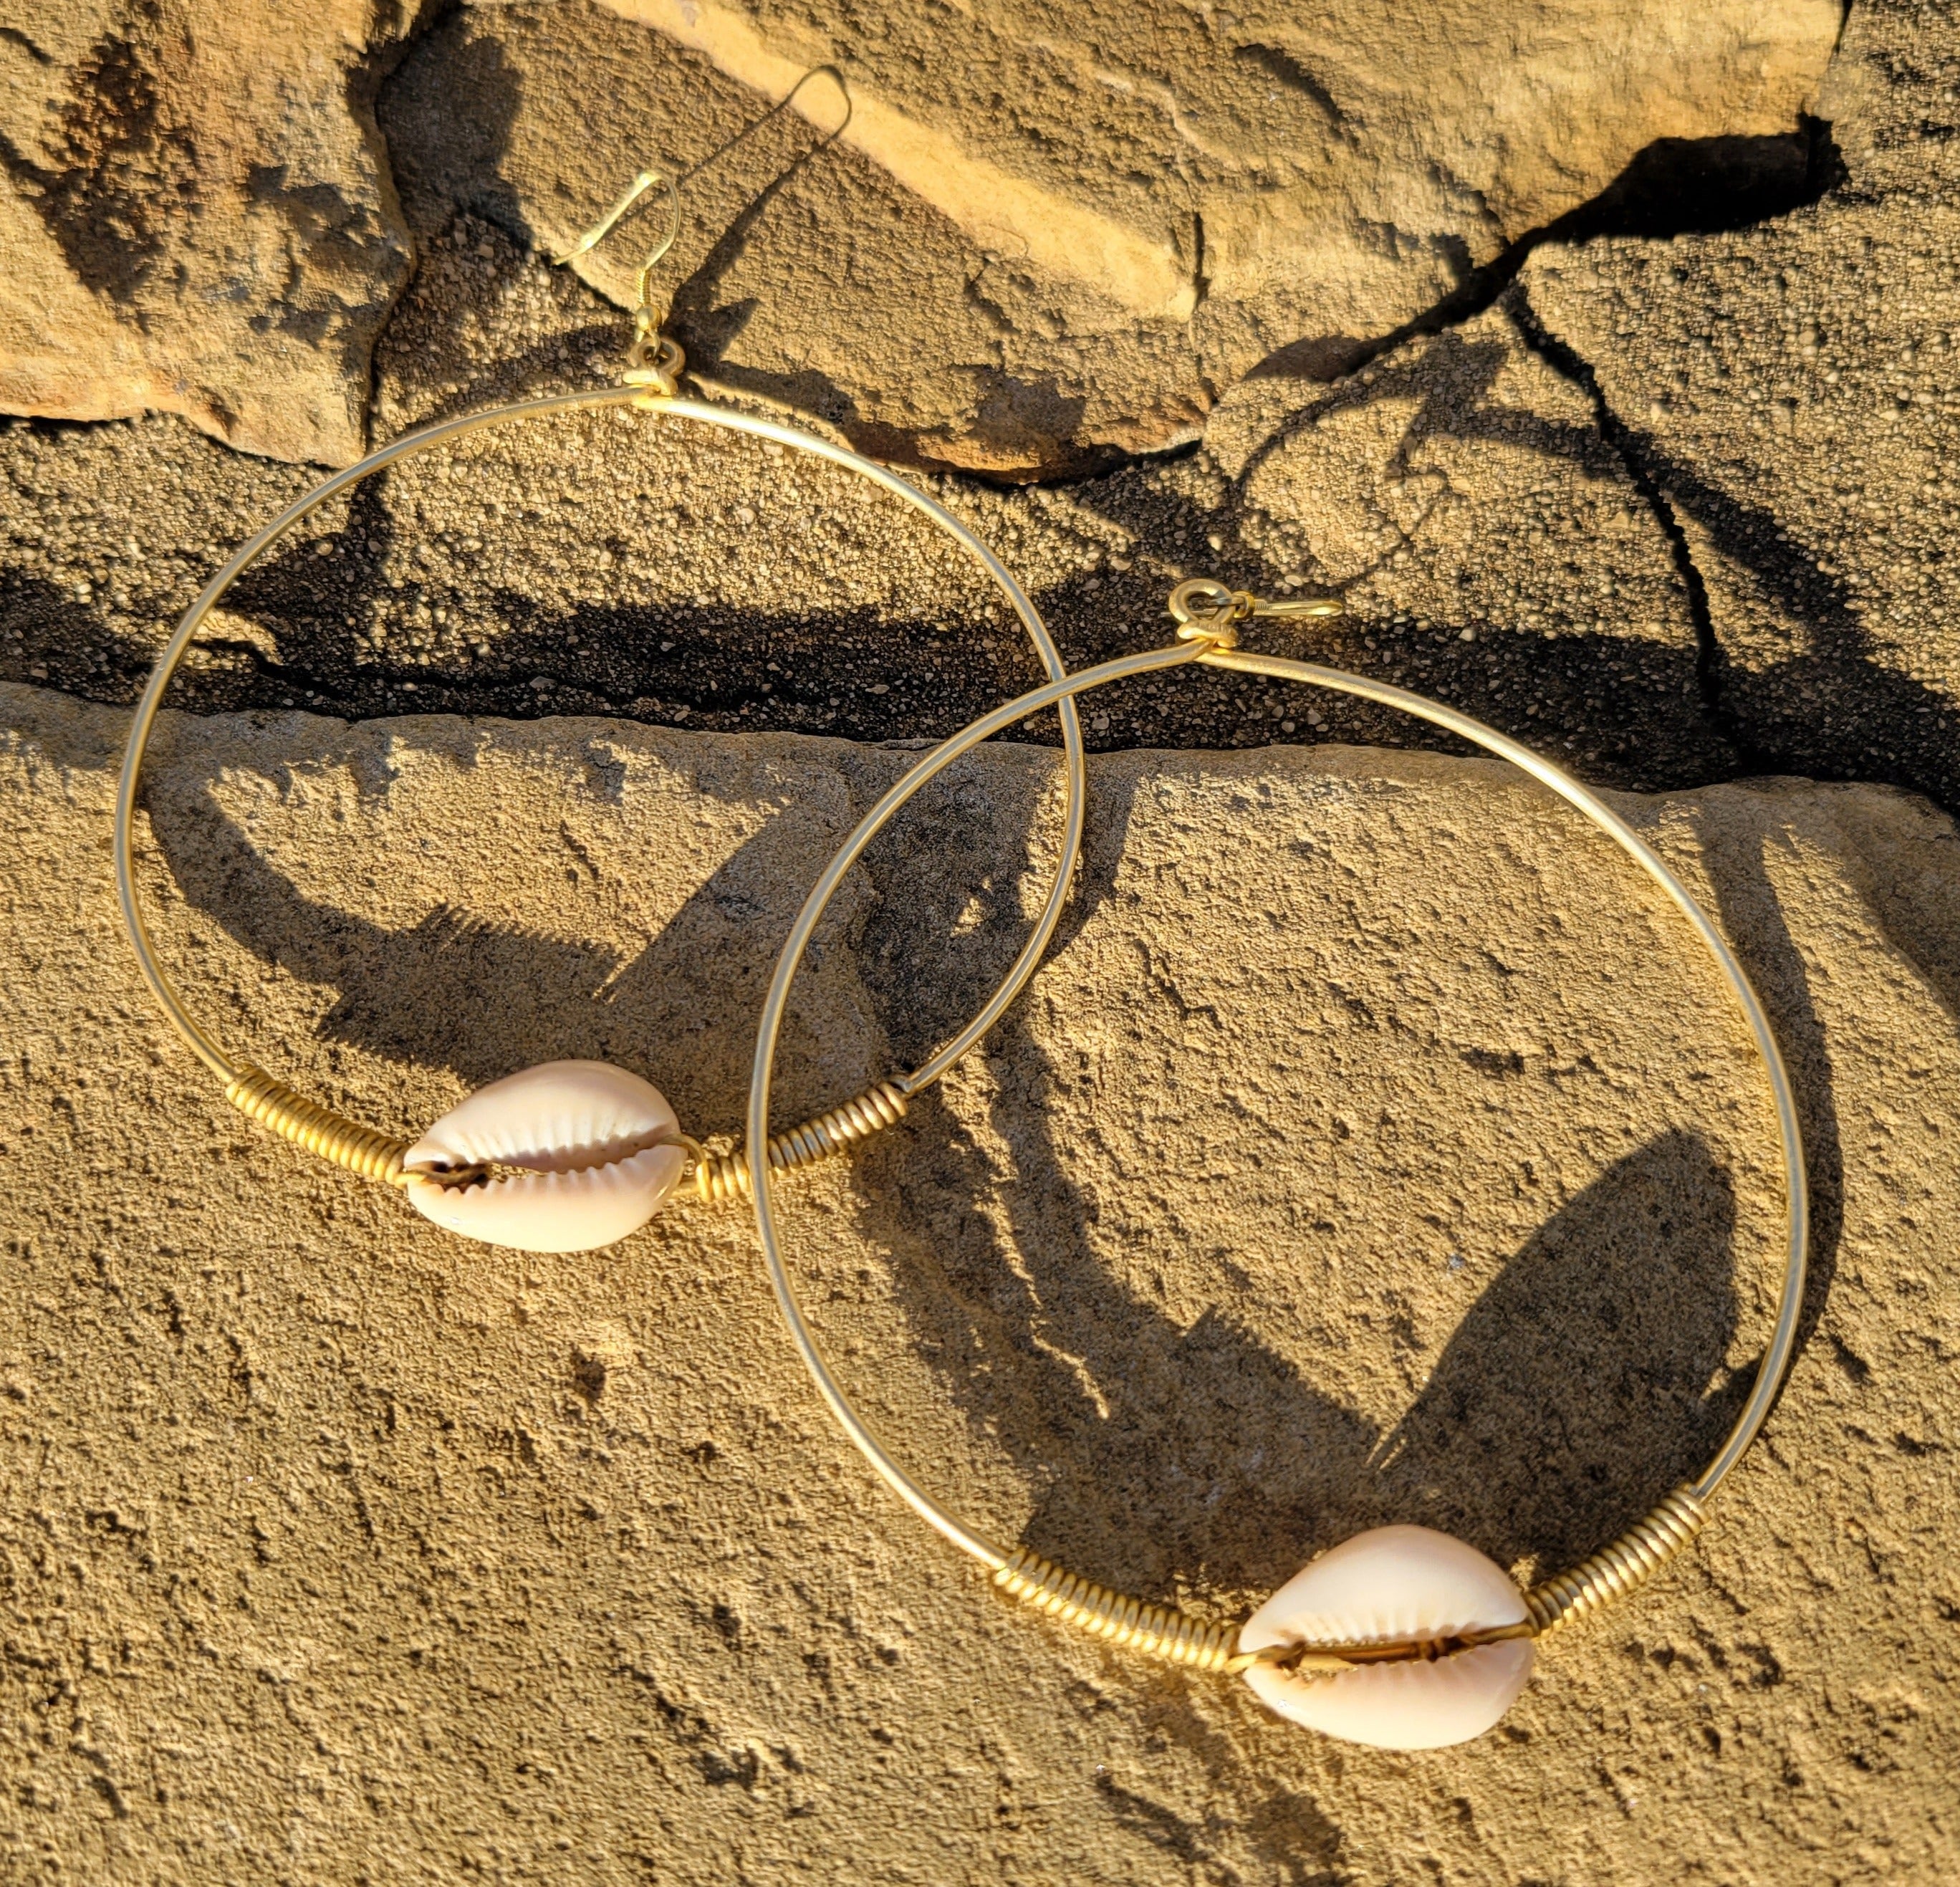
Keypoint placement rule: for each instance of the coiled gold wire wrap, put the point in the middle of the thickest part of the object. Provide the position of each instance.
(1614, 1570)
(1160, 1632)
(726, 1176)
(268, 1100)
(1155, 1629)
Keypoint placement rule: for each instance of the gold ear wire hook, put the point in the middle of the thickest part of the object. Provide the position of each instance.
(654, 359)
(1207, 610)
(600, 230)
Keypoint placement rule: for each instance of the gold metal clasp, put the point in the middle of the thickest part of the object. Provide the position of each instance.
(1207, 610)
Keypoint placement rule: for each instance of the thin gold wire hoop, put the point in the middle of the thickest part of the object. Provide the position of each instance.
(268, 1099)
(1209, 636)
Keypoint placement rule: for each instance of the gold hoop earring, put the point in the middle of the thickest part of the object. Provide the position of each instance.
(570, 1156)
(1401, 1637)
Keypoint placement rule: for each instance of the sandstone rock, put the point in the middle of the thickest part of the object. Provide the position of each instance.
(669, 573)
(808, 276)
(198, 216)
(1491, 545)
(1791, 389)
(1371, 1149)
(1050, 233)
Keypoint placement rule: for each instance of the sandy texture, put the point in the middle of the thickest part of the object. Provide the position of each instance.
(1791, 390)
(1492, 546)
(1051, 234)
(198, 216)
(1372, 1148)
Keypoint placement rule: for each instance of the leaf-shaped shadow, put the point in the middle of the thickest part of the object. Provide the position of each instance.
(1589, 1377)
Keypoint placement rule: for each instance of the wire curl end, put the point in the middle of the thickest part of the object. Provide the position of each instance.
(655, 361)
(1207, 610)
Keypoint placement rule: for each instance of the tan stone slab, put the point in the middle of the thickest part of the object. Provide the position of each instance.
(1097, 135)
(1490, 546)
(1371, 1149)
(1794, 390)
(198, 215)
(1054, 230)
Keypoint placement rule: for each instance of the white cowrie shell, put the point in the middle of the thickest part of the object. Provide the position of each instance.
(1392, 1583)
(596, 1144)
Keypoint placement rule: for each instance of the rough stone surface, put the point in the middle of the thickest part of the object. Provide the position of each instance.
(1791, 389)
(1052, 230)
(1491, 545)
(198, 216)
(805, 275)
(1373, 1148)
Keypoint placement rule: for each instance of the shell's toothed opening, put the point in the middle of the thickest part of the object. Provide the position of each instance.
(1303, 1658)
(1374, 1641)
(559, 1117)
(579, 1211)
(452, 1175)
(566, 1156)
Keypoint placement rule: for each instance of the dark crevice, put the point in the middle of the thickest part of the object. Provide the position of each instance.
(1566, 360)
(1284, 69)
(1674, 186)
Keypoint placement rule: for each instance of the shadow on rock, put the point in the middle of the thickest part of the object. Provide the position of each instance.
(477, 995)
(1674, 186)
(1589, 1379)
(1622, 707)
(1741, 863)
(1841, 710)
(1586, 1381)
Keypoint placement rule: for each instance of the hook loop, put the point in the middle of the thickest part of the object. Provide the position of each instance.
(1206, 610)
(654, 359)
(600, 230)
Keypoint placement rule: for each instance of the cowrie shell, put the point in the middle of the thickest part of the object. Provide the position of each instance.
(1392, 1583)
(596, 1144)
